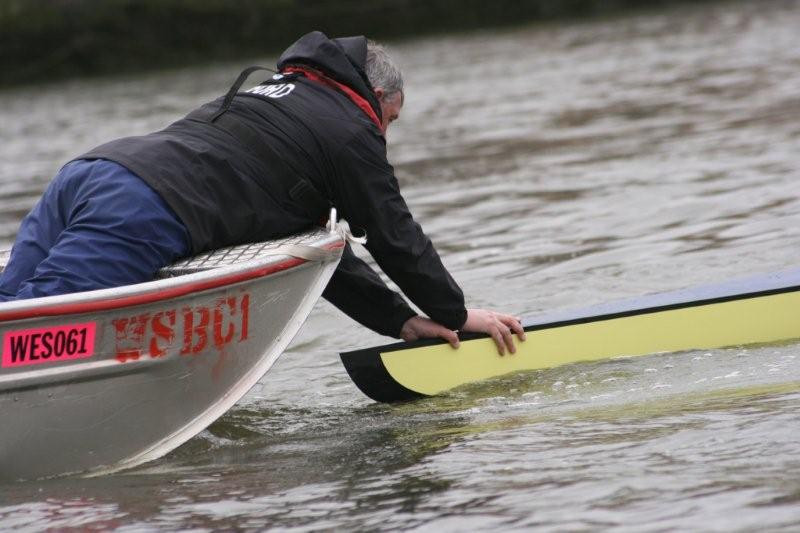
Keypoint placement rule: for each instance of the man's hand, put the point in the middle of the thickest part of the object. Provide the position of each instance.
(497, 325)
(418, 327)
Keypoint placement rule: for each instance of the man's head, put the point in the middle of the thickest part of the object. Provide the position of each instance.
(387, 80)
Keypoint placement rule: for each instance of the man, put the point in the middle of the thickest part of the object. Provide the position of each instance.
(249, 167)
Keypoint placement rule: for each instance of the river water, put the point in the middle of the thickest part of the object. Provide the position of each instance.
(554, 166)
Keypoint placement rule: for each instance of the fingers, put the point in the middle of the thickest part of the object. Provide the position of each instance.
(501, 334)
(508, 338)
(450, 336)
(514, 324)
(503, 330)
(498, 340)
(519, 330)
(443, 333)
(503, 338)
(424, 328)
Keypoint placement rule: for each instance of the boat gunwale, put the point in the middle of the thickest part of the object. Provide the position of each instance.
(571, 317)
(160, 289)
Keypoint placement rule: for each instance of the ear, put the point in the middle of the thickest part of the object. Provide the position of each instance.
(380, 93)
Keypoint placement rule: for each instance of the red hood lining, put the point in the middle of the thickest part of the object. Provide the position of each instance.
(319, 77)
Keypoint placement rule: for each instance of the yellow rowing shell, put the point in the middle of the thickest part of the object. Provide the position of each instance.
(758, 310)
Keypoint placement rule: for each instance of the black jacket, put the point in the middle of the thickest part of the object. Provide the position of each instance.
(228, 192)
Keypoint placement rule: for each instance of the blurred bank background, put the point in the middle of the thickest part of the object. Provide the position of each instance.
(53, 39)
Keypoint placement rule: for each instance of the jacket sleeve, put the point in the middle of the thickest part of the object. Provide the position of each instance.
(368, 196)
(359, 292)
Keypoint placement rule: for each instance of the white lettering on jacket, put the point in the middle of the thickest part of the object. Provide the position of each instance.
(278, 90)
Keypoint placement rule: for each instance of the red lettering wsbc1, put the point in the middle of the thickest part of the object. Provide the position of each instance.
(196, 328)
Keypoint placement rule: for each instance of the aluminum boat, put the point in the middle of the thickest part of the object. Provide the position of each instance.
(104, 380)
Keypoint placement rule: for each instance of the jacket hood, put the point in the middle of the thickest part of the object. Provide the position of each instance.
(342, 59)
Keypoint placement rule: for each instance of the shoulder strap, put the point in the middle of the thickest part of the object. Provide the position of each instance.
(299, 189)
(243, 75)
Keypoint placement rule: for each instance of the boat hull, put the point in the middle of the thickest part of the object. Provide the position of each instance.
(123, 376)
(756, 310)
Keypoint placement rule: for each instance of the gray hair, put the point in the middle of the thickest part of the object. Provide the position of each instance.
(381, 70)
